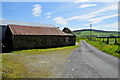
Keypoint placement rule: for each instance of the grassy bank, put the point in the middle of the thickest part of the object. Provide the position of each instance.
(35, 63)
(107, 48)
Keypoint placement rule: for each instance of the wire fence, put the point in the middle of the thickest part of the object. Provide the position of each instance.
(108, 40)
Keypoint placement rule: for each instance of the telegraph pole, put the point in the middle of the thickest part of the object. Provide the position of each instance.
(91, 31)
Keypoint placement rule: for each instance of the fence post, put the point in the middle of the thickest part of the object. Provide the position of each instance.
(115, 41)
(103, 39)
(100, 39)
(107, 41)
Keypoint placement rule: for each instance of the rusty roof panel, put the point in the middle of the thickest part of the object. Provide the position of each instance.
(30, 30)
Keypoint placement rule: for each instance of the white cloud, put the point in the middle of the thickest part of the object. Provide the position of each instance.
(79, 1)
(99, 19)
(6, 21)
(37, 10)
(87, 5)
(73, 18)
(60, 20)
(93, 14)
(48, 17)
(112, 26)
(90, 16)
(81, 17)
(1, 18)
(73, 29)
(107, 8)
(49, 14)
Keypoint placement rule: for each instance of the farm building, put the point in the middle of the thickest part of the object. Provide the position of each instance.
(17, 37)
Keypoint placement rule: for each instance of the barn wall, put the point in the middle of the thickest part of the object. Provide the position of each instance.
(30, 42)
(0, 39)
(2, 32)
(72, 40)
(7, 40)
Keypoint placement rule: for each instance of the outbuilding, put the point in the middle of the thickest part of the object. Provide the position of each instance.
(18, 37)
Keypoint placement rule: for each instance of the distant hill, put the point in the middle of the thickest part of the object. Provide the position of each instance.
(94, 30)
(86, 33)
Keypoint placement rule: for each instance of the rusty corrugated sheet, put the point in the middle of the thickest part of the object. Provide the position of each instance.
(30, 30)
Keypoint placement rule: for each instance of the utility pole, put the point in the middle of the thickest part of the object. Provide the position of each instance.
(91, 31)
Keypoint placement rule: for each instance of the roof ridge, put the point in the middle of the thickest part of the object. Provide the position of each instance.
(30, 26)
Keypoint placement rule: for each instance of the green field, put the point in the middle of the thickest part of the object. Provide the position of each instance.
(87, 33)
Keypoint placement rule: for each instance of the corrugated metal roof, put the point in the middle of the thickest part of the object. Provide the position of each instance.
(32, 30)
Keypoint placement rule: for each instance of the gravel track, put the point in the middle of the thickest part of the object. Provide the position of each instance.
(89, 62)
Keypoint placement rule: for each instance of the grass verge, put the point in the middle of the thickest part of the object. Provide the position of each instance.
(43, 50)
(107, 48)
(35, 63)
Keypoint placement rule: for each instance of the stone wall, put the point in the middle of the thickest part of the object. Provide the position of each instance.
(34, 41)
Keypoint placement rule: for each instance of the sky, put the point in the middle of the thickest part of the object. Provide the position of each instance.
(74, 15)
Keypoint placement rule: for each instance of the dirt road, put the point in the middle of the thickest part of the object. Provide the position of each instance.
(89, 62)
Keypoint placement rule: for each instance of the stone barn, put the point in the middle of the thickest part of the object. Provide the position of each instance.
(18, 37)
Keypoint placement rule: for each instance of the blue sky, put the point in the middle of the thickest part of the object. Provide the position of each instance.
(74, 15)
